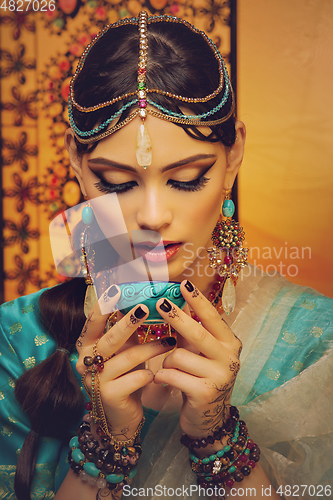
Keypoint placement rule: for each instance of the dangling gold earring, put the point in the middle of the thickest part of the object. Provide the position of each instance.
(87, 261)
(228, 237)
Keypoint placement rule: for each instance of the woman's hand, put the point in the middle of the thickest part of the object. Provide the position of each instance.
(124, 374)
(206, 377)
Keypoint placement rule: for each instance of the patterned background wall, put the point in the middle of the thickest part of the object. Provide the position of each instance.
(41, 42)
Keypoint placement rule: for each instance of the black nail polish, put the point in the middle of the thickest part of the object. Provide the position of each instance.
(165, 306)
(139, 313)
(112, 291)
(170, 340)
(189, 286)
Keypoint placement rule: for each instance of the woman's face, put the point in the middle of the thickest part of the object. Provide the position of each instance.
(178, 196)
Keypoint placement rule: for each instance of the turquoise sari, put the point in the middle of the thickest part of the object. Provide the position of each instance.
(283, 390)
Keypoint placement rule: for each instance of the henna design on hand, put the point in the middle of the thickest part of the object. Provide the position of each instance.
(173, 313)
(195, 293)
(219, 413)
(134, 320)
(84, 330)
(234, 367)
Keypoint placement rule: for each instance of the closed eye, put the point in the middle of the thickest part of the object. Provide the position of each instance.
(194, 185)
(107, 187)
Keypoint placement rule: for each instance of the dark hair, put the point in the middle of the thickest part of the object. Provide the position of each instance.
(180, 61)
(49, 392)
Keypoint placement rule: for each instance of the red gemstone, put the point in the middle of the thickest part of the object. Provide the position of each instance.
(196, 318)
(229, 483)
(236, 226)
(251, 464)
(211, 296)
(228, 260)
(100, 367)
(216, 286)
(250, 444)
(158, 332)
(238, 464)
(88, 406)
(243, 458)
(141, 71)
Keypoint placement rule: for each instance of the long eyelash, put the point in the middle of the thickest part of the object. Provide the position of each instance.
(106, 187)
(194, 185)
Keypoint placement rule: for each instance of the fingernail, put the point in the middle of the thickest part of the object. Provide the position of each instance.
(165, 306)
(139, 313)
(168, 341)
(112, 291)
(189, 286)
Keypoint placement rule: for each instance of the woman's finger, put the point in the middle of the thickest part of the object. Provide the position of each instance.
(209, 317)
(190, 329)
(123, 386)
(132, 357)
(95, 322)
(188, 362)
(116, 337)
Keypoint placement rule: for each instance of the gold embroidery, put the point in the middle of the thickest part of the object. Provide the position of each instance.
(16, 327)
(18, 452)
(297, 366)
(29, 362)
(7, 304)
(308, 304)
(11, 348)
(316, 331)
(290, 338)
(42, 483)
(41, 339)
(27, 309)
(273, 375)
(74, 357)
(7, 430)
(12, 419)
(2, 395)
(47, 439)
(11, 383)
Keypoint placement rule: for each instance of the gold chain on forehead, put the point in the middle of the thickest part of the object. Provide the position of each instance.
(140, 95)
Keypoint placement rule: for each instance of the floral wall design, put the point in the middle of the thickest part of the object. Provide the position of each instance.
(39, 50)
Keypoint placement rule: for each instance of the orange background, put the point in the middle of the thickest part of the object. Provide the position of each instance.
(285, 98)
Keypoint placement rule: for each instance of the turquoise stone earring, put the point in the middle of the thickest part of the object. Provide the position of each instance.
(227, 255)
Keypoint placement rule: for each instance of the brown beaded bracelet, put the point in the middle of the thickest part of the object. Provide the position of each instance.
(229, 465)
(227, 428)
(103, 464)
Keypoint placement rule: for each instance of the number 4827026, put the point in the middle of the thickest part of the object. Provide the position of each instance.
(25, 5)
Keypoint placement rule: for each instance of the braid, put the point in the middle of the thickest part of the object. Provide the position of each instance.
(54, 405)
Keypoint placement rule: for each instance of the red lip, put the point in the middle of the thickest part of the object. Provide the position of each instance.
(161, 252)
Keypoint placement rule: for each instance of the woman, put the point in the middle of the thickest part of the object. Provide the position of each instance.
(159, 131)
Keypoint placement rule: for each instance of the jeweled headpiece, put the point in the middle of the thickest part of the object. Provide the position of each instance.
(143, 105)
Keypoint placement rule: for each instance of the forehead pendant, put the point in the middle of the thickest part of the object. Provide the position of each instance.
(143, 149)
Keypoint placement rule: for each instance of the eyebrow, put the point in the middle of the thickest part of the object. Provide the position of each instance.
(122, 166)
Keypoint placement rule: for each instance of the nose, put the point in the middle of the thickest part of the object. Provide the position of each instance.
(154, 211)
